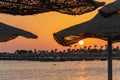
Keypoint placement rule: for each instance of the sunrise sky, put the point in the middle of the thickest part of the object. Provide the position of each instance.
(44, 25)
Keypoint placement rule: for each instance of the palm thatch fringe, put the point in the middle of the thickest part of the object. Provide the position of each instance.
(9, 33)
(30, 7)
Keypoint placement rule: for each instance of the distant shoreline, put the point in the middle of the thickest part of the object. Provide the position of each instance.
(70, 55)
(57, 59)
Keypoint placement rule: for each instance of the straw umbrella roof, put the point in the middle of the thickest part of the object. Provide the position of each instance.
(109, 10)
(8, 33)
(29, 7)
(105, 25)
(98, 27)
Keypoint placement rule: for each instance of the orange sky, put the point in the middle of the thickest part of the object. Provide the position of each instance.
(44, 25)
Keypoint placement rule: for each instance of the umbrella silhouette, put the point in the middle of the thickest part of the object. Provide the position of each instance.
(110, 9)
(105, 25)
(9, 33)
(30, 7)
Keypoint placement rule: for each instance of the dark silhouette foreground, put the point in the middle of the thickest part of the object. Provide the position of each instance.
(8, 32)
(30, 7)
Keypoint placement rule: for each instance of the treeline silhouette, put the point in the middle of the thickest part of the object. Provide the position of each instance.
(86, 53)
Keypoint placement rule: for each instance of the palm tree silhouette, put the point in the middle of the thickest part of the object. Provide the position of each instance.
(106, 47)
(89, 48)
(101, 48)
(75, 47)
(95, 46)
(118, 48)
(85, 47)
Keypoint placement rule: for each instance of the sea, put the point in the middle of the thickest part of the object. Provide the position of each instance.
(69, 70)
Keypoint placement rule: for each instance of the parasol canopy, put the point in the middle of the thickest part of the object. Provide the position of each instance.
(109, 10)
(98, 27)
(105, 25)
(30, 7)
(8, 33)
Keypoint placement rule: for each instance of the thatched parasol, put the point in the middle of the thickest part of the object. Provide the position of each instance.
(101, 26)
(29, 7)
(98, 27)
(110, 9)
(8, 33)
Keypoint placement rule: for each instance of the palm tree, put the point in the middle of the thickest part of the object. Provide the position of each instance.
(106, 47)
(95, 46)
(35, 50)
(117, 48)
(70, 47)
(85, 47)
(56, 50)
(89, 47)
(52, 51)
(68, 50)
(101, 48)
(64, 51)
(75, 47)
(17, 51)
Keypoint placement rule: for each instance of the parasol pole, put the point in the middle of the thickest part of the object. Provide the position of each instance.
(109, 58)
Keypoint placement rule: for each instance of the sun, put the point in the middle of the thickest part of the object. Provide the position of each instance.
(81, 42)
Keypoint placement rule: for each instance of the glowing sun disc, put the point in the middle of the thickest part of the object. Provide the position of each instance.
(81, 42)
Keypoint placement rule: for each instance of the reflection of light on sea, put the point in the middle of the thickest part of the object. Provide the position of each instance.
(80, 75)
(82, 72)
(80, 78)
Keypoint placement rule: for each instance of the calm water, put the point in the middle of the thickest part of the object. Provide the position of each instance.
(76, 70)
